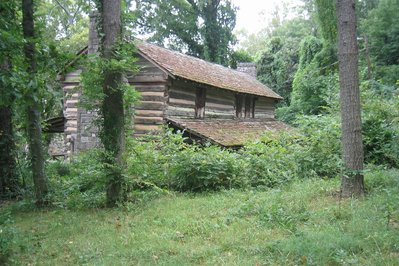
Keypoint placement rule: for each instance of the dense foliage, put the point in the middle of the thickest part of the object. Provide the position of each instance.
(295, 56)
(167, 162)
(201, 28)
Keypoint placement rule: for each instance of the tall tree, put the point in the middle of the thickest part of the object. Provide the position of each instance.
(202, 28)
(32, 109)
(352, 183)
(112, 109)
(8, 31)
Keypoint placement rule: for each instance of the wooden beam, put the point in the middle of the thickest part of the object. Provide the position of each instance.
(200, 99)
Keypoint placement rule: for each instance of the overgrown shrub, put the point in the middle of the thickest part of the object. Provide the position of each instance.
(207, 168)
(80, 182)
(271, 161)
(312, 150)
(380, 123)
(168, 162)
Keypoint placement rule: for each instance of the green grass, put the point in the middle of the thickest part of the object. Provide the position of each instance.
(302, 223)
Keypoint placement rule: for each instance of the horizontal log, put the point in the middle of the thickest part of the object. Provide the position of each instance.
(219, 106)
(71, 129)
(141, 127)
(71, 123)
(181, 103)
(71, 110)
(182, 95)
(271, 110)
(152, 93)
(221, 94)
(150, 105)
(180, 112)
(218, 110)
(150, 98)
(149, 88)
(262, 116)
(182, 88)
(147, 78)
(155, 83)
(71, 116)
(148, 113)
(71, 103)
(210, 114)
(72, 79)
(220, 100)
(72, 95)
(148, 120)
(69, 87)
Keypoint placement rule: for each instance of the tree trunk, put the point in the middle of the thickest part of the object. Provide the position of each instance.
(352, 146)
(113, 135)
(9, 184)
(212, 36)
(33, 114)
(8, 178)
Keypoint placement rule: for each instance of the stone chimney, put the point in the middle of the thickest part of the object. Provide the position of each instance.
(248, 68)
(94, 41)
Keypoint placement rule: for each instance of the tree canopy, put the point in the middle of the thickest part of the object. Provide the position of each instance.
(198, 27)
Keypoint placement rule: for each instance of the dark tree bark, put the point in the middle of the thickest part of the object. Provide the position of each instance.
(113, 136)
(212, 36)
(352, 183)
(8, 177)
(33, 114)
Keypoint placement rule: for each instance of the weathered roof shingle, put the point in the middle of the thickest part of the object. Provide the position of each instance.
(201, 71)
(228, 133)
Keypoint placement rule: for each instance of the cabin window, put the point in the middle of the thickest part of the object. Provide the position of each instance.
(200, 97)
(245, 106)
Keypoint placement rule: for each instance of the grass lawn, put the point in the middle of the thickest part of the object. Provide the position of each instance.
(302, 223)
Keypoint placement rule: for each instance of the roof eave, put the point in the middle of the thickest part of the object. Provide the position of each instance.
(167, 72)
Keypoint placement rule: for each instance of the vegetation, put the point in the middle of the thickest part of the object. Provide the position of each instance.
(202, 28)
(300, 223)
(275, 201)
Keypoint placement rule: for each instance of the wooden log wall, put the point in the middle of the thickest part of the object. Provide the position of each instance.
(220, 104)
(151, 82)
(264, 108)
(182, 98)
(161, 97)
(71, 99)
(80, 131)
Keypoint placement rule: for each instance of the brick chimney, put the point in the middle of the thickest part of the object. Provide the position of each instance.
(94, 41)
(248, 68)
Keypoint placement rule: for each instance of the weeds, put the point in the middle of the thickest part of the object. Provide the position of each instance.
(297, 223)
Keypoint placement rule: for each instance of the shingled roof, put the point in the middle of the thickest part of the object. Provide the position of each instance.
(194, 69)
(228, 133)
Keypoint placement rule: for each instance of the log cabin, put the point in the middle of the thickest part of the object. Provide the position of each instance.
(207, 101)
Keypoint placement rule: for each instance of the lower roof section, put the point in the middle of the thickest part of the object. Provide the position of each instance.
(228, 133)
(55, 125)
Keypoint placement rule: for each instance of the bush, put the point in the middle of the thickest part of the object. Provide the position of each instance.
(313, 150)
(207, 168)
(79, 183)
(380, 124)
(168, 162)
